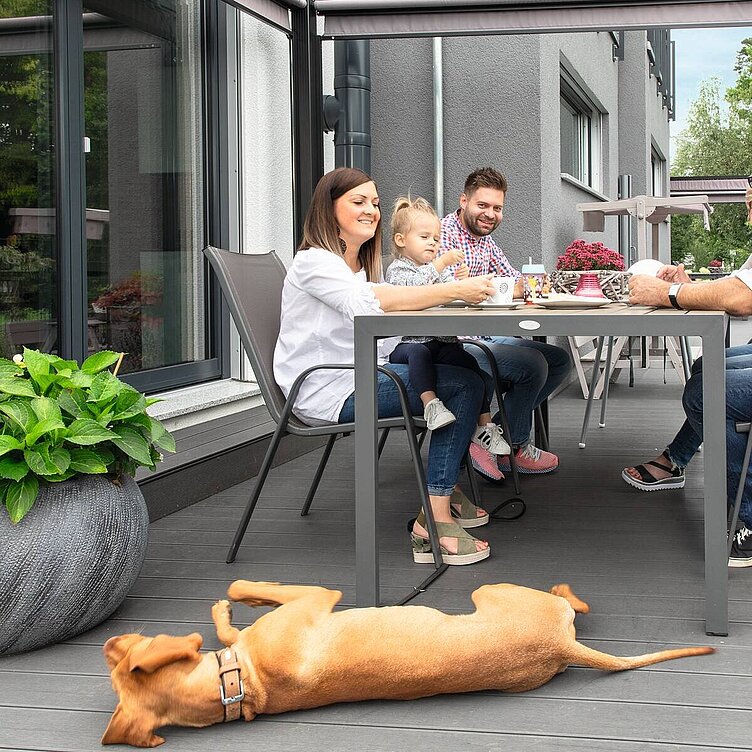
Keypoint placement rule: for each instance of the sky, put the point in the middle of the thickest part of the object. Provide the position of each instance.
(700, 54)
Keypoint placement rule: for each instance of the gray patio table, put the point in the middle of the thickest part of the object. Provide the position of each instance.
(615, 319)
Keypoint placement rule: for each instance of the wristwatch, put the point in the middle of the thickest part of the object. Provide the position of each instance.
(673, 291)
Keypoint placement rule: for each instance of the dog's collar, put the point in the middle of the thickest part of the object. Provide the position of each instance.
(230, 684)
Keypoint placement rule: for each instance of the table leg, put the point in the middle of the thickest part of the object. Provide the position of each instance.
(714, 443)
(366, 470)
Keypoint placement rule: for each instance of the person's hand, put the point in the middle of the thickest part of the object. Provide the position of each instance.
(448, 258)
(462, 271)
(649, 291)
(475, 289)
(673, 274)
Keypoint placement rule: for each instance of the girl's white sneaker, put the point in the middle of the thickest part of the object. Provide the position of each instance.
(491, 438)
(437, 415)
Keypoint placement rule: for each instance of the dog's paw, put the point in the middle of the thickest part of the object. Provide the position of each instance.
(221, 609)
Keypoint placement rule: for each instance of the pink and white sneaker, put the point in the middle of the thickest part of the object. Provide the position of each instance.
(485, 463)
(531, 460)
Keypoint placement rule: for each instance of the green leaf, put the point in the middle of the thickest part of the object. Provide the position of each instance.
(99, 361)
(13, 469)
(42, 428)
(38, 460)
(60, 459)
(73, 403)
(20, 497)
(129, 403)
(64, 367)
(104, 387)
(130, 441)
(20, 387)
(46, 383)
(46, 409)
(86, 432)
(20, 413)
(9, 368)
(37, 363)
(161, 436)
(67, 475)
(9, 443)
(88, 461)
(81, 380)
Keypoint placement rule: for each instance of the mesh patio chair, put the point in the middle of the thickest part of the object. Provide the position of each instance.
(252, 288)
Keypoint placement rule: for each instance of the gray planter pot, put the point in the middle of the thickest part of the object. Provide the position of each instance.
(71, 561)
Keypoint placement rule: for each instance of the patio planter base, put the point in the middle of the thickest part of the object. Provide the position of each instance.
(71, 561)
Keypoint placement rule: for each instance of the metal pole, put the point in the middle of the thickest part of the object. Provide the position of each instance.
(438, 126)
(352, 88)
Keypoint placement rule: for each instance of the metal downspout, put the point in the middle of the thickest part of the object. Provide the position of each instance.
(438, 126)
(352, 89)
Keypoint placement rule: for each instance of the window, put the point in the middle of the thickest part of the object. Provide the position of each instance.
(28, 241)
(144, 190)
(580, 132)
(658, 173)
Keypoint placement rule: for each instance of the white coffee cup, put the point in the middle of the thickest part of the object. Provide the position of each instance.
(504, 287)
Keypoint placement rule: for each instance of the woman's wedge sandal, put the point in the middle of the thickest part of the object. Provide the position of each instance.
(466, 551)
(467, 516)
(647, 482)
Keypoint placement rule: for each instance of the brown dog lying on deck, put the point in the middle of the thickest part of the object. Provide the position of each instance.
(304, 655)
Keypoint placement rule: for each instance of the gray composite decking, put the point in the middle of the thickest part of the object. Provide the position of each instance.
(635, 557)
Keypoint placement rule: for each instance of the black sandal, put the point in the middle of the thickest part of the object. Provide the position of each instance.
(647, 482)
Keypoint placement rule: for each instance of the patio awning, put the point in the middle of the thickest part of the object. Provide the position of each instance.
(646, 209)
(720, 190)
(397, 18)
(274, 11)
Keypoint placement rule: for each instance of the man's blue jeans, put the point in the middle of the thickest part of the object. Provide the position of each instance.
(461, 391)
(738, 408)
(535, 369)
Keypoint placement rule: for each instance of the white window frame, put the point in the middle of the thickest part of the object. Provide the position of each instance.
(658, 168)
(580, 102)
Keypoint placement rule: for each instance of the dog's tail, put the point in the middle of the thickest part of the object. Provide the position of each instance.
(585, 656)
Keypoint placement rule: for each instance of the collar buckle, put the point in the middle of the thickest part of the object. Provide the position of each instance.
(232, 700)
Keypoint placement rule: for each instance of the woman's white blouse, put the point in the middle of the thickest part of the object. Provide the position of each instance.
(320, 299)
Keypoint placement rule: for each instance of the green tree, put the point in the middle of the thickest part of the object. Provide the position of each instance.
(717, 141)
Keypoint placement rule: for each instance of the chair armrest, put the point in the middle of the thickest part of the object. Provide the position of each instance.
(502, 385)
(401, 389)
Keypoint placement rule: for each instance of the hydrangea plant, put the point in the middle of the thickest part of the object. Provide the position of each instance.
(582, 256)
(59, 420)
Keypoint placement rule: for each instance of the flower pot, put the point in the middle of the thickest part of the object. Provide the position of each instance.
(70, 562)
(589, 285)
(613, 284)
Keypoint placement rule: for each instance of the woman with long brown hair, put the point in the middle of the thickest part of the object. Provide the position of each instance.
(335, 276)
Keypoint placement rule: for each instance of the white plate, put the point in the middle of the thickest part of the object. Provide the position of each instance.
(508, 306)
(462, 304)
(573, 301)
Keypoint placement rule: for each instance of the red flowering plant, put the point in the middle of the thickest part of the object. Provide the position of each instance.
(582, 256)
(131, 292)
(715, 264)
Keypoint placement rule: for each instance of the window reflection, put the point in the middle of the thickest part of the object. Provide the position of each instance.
(27, 214)
(142, 99)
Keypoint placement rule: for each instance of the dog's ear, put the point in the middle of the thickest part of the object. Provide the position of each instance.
(163, 650)
(134, 731)
(116, 648)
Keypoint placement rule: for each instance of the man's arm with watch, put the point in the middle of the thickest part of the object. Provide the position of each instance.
(728, 294)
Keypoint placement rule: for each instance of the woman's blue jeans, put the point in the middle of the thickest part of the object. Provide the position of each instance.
(461, 391)
(738, 408)
(534, 368)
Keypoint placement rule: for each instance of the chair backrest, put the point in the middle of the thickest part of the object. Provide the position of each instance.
(252, 287)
